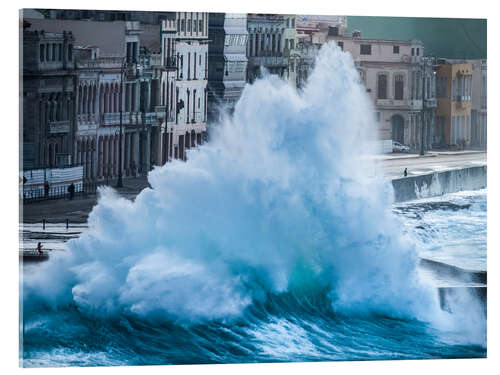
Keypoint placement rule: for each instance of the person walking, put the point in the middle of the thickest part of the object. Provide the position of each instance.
(39, 248)
(405, 173)
(71, 190)
(46, 188)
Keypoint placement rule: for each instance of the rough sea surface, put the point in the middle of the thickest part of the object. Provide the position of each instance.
(271, 243)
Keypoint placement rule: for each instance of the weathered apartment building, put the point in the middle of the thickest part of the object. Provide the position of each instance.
(191, 54)
(265, 46)
(479, 108)
(454, 95)
(401, 83)
(227, 62)
(48, 98)
(148, 80)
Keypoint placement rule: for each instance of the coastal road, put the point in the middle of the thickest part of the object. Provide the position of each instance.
(392, 166)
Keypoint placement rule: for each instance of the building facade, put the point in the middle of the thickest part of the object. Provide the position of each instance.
(48, 99)
(191, 48)
(265, 45)
(290, 43)
(117, 97)
(454, 94)
(396, 77)
(227, 62)
(479, 104)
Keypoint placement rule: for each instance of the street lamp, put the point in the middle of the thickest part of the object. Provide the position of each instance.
(435, 67)
(119, 184)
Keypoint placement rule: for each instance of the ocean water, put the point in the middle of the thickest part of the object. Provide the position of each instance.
(451, 228)
(271, 243)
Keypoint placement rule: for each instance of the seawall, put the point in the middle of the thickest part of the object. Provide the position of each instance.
(439, 183)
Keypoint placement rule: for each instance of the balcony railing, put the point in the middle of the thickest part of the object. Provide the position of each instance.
(269, 61)
(430, 103)
(57, 127)
(132, 118)
(150, 118)
(171, 63)
(87, 118)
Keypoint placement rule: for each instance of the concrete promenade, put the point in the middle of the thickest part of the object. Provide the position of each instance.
(391, 166)
(77, 210)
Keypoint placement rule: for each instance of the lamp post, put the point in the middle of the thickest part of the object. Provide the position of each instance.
(422, 130)
(119, 184)
(435, 67)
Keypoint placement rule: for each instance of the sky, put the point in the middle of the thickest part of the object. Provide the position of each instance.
(453, 38)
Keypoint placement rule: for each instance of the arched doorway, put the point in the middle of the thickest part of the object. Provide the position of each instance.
(398, 128)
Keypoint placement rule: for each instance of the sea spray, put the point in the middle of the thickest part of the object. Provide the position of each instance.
(279, 195)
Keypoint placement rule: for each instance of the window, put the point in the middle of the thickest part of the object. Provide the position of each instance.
(366, 49)
(293, 23)
(129, 52)
(413, 51)
(42, 52)
(395, 49)
(195, 26)
(189, 26)
(178, 26)
(200, 26)
(341, 45)
(398, 87)
(362, 76)
(288, 23)
(382, 86)
(53, 52)
(59, 52)
(441, 83)
(453, 129)
(183, 25)
(418, 51)
(70, 52)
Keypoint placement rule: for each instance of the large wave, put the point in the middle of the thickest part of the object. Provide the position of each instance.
(279, 200)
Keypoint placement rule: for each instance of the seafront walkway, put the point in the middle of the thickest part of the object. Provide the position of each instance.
(76, 210)
(391, 166)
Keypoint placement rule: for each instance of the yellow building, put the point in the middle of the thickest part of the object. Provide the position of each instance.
(453, 93)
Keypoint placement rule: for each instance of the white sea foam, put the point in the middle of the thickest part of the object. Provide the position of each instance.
(281, 185)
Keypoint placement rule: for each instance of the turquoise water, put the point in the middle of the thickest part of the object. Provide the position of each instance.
(269, 244)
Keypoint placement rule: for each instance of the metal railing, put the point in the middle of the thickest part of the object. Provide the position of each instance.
(82, 190)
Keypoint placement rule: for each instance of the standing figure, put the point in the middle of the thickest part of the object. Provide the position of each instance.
(405, 173)
(71, 190)
(39, 248)
(46, 188)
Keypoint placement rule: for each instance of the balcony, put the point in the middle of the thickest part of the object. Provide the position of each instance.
(268, 61)
(59, 127)
(462, 98)
(155, 59)
(415, 104)
(150, 118)
(399, 104)
(171, 63)
(430, 103)
(87, 118)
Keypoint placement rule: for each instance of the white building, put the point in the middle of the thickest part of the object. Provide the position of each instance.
(393, 73)
(191, 54)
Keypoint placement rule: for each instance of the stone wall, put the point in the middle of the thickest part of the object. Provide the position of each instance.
(439, 183)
